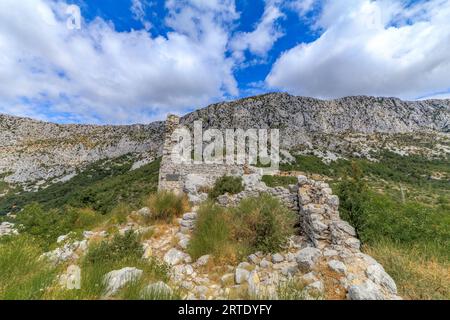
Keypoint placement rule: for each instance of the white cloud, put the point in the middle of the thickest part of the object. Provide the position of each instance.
(138, 10)
(302, 7)
(97, 74)
(382, 47)
(266, 33)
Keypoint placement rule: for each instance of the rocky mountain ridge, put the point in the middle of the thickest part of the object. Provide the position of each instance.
(36, 152)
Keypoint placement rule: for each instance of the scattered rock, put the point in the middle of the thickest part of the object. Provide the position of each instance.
(117, 279)
(159, 290)
(307, 257)
(7, 229)
(203, 260)
(377, 274)
(365, 291)
(337, 266)
(277, 258)
(144, 212)
(241, 275)
(174, 257)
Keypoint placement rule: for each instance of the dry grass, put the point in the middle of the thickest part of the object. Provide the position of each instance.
(418, 277)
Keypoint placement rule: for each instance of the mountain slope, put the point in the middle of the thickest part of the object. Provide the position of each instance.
(36, 153)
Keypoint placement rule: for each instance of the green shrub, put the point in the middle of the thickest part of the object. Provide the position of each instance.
(166, 205)
(121, 247)
(212, 234)
(263, 223)
(45, 225)
(279, 181)
(226, 184)
(353, 194)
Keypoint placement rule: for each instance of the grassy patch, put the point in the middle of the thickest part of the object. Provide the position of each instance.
(279, 181)
(226, 184)
(257, 224)
(23, 276)
(212, 232)
(166, 205)
(420, 271)
(120, 252)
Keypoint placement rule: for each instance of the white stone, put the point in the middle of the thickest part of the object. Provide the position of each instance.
(307, 257)
(241, 275)
(309, 278)
(365, 291)
(145, 212)
(377, 274)
(337, 266)
(265, 264)
(183, 243)
(190, 216)
(174, 257)
(277, 258)
(117, 279)
(158, 289)
(253, 283)
(203, 260)
(316, 287)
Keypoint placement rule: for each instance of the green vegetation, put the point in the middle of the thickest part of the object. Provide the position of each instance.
(117, 253)
(212, 232)
(226, 184)
(263, 223)
(23, 276)
(257, 224)
(279, 181)
(101, 187)
(121, 247)
(401, 214)
(167, 205)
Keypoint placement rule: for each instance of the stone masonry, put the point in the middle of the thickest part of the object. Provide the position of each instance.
(178, 177)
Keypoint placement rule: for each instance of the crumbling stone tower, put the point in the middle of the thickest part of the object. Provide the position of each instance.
(169, 172)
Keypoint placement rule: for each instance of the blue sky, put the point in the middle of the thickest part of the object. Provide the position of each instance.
(138, 60)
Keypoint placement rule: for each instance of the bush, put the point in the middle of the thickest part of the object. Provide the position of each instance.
(166, 205)
(263, 223)
(279, 181)
(45, 225)
(211, 234)
(226, 184)
(257, 224)
(353, 193)
(121, 247)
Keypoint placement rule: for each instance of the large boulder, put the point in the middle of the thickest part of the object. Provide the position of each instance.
(117, 279)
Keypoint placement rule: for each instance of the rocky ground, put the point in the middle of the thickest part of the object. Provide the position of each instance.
(317, 269)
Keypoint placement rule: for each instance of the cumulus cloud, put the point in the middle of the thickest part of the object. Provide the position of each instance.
(384, 47)
(266, 33)
(302, 7)
(138, 10)
(97, 74)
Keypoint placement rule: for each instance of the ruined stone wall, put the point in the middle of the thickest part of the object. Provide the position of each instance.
(178, 177)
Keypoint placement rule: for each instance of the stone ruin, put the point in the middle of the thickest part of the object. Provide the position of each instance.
(331, 241)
